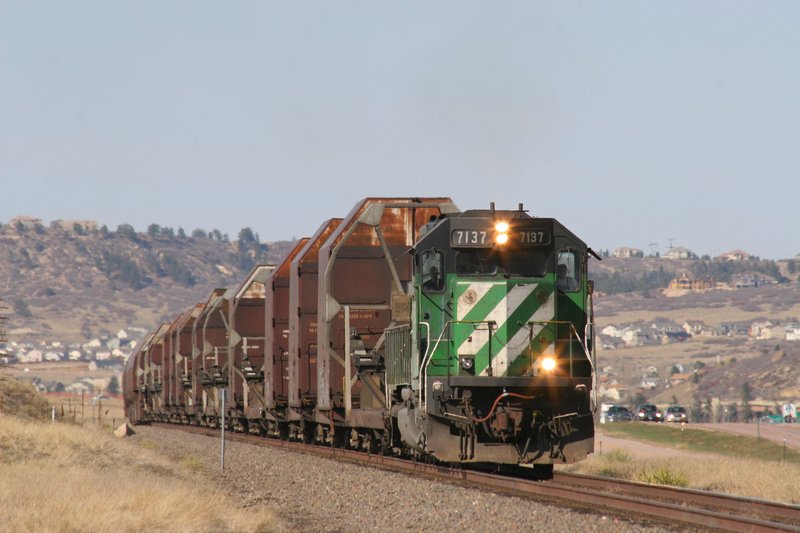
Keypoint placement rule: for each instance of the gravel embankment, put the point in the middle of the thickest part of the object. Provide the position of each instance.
(316, 494)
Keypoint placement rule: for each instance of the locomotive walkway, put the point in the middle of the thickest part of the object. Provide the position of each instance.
(636, 500)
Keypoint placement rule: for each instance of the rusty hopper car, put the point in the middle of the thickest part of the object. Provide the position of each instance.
(406, 327)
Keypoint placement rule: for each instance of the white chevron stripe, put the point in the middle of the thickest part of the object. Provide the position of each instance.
(466, 304)
(504, 308)
(517, 344)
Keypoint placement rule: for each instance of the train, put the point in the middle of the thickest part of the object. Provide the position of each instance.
(407, 327)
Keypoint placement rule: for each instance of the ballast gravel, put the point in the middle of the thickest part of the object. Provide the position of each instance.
(311, 493)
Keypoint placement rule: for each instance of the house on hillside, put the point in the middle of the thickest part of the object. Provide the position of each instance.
(792, 331)
(684, 282)
(630, 336)
(677, 379)
(734, 255)
(650, 382)
(694, 327)
(766, 330)
(626, 252)
(680, 252)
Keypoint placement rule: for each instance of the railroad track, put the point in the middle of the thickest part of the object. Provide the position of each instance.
(638, 500)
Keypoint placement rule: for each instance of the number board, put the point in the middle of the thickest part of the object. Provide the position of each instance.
(480, 233)
(471, 238)
(530, 236)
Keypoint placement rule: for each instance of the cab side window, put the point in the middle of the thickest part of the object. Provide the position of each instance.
(432, 271)
(568, 270)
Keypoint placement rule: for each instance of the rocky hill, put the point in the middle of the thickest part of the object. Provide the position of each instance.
(75, 281)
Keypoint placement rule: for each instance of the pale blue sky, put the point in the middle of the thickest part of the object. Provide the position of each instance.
(632, 122)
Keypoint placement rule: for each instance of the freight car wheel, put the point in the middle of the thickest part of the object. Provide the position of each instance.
(341, 437)
(283, 430)
(373, 441)
(309, 431)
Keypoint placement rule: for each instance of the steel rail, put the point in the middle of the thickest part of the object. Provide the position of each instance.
(767, 509)
(642, 501)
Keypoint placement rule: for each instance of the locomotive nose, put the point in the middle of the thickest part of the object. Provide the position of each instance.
(496, 323)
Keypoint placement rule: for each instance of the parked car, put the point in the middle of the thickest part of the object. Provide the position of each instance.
(618, 413)
(676, 413)
(604, 407)
(648, 412)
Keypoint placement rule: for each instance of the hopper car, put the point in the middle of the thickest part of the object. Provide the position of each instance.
(406, 327)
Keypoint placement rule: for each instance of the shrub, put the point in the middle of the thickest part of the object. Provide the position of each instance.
(663, 475)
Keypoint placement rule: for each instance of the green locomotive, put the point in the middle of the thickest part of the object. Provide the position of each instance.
(502, 354)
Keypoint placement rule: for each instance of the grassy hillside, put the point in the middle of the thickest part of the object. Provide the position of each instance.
(60, 477)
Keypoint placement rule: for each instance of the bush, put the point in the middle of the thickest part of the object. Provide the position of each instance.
(663, 475)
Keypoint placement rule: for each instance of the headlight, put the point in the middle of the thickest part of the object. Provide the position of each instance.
(548, 364)
(467, 363)
(501, 235)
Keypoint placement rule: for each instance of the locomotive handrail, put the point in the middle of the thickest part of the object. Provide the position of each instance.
(592, 362)
(429, 354)
(425, 362)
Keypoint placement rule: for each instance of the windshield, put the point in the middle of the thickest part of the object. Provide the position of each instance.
(481, 262)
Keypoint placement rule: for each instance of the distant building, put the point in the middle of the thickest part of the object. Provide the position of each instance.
(651, 382)
(766, 330)
(628, 252)
(792, 331)
(694, 327)
(677, 379)
(734, 255)
(684, 282)
(680, 253)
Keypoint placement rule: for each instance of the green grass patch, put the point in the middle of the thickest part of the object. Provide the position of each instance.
(664, 475)
(704, 440)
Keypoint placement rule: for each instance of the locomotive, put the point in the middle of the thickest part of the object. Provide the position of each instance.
(407, 327)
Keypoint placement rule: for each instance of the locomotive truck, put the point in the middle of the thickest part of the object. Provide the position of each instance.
(406, 327)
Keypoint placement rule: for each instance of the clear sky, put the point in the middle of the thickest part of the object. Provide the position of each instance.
(631, 122)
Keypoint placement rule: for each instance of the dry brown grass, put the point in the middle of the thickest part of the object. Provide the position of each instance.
(768, 480)
(58, 477)
(22, 400)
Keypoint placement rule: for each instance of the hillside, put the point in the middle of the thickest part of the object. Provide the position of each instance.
(74, 282)
(701, 347)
